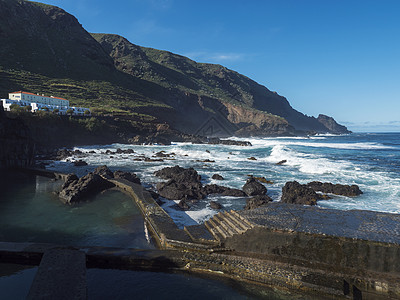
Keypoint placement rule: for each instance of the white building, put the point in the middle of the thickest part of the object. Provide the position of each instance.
(36, 98)
(41, 102)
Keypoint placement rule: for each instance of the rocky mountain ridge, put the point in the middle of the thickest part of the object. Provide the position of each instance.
(107, 72)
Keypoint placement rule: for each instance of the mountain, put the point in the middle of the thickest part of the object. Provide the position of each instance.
(45, 50)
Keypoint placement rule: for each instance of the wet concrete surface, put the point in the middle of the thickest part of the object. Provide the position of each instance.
(355, 224)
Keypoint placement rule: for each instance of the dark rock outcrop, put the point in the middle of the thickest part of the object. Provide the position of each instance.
(182, 184)
(252, 187)
(132, 177)
(337, 189)
(332, 125)
(215, 205)
(83, 188)
(63, 154)
(68, 180)
(183, 205)
(281, 162)
(185, 184)
(262, 179)
(257, 201)
(222, 190)
(174, 190)
(80, 163)
(217, 141)
(104, 171)
(217, 177)
(179, 174)
(296, 193)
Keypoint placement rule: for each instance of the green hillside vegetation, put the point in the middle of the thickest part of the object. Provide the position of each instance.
(101, 97)
(175, 71)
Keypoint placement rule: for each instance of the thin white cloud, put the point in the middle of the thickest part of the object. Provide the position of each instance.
(227, 57)
(214, 57)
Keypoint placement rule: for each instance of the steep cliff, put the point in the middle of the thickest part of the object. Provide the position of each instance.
(332, 125)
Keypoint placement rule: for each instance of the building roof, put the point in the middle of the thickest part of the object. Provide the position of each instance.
(27, 93)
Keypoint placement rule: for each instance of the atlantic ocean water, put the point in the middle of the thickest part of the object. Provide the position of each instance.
(370, 160)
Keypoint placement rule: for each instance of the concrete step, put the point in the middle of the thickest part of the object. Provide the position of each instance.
(240, 228)
(226, 224)
(213, 230)
(223, 222)
(219, 228)
(240, 223)
(241, 219)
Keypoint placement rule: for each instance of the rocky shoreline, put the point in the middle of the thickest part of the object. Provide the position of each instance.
(185, 185)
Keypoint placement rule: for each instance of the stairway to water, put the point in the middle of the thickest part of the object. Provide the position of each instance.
(226, 224)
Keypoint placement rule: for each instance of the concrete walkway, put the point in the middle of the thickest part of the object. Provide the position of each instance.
(354, 224)
(61, 275)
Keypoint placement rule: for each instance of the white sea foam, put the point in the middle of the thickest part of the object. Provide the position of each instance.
(263, 143)
(305, 162)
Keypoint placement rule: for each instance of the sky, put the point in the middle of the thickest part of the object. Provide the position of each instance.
(336, 57)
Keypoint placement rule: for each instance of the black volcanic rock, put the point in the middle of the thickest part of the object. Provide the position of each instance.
(132, 177)
(233, 193)
(215, 205)
(217, 177)
(80, 190)
(69, 180)
(185, 184)
(257, 201)
(331, 124)
(182, 184)
(104, 171)
(180, 191)
(252, 187)
(222, 190)
(337, 189)
(296, 193)
(216, 141)
(179, 174)
(80, 163)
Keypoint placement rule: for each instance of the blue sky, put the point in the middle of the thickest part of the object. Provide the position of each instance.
(336, 57)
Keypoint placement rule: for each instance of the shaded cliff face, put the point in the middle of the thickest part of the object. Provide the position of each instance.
(16, 145)
(332, 125)
(46, 50)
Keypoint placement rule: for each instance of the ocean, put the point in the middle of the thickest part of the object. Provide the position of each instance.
(370, 160)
